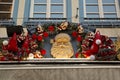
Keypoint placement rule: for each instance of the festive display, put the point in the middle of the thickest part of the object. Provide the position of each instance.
(98, 45)
(89, 44)
(62, 48)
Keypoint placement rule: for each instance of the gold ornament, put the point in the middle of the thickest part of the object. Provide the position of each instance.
(37, 54)
(62, 48)
(1, 55)
(117, 43)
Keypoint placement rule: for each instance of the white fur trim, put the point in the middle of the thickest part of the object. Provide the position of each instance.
(98, 41)
(5, 42)
(92, 57)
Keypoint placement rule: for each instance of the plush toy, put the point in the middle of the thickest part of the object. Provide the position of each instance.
(94, 48)
(80, 29)
(63, 26)
(39, 30)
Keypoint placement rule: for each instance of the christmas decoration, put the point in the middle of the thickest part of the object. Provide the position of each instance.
(31, 56)
(117, 43)
(12, 45)
(92, 57)
(62, 47)
(63, 26)
(91, 45)
(100, 46)
(5, 42)
(38, 54)
(51, 28)
(117, 47)
(80, 29)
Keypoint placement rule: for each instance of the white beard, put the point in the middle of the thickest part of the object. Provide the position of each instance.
(62, 50)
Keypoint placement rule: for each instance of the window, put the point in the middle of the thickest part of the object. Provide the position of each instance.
(109, 8)
(92, 8)
(39, 15)
(93, 15)
(91, 1)
(40, 1)
(56, 1)
(48, 9)
(6, 8)
(108, 1)
(101, 9)
(40, 8)
(110, 15)
(56, 8)
(54, 15)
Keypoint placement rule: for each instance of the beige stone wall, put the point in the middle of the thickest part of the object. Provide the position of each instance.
(21, 12)
(110, 32)
(3, 32)
(74, 11)
(40, 72)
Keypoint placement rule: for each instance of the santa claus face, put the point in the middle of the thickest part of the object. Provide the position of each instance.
(62, 48)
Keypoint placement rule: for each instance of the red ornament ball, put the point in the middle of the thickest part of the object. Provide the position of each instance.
(34, 36)
(74, 34)
(40, 38)
(43, 51)
(77, 55)
(51, 28)
(45, 34)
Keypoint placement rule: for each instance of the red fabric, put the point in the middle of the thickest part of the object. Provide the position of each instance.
(97, 35)
(26, 45)
(87, 53)
(2, 58)
(12, 45)
(4, 47)
(94, 48)
(79, 38)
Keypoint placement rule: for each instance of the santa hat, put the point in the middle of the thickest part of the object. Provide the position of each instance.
(12, 45)
(98, 38)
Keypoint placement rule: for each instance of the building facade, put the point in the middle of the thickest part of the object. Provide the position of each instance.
(100, 14)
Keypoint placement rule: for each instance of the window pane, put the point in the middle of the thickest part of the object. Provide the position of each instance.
(91, 1)
(40, 1)
(56, 8)
(56, 1)
(110, 15)
(39, 15)
(108, 1)
(92, 8)
(40, 8)
(92, 15)
(56, 15)
(109, 8)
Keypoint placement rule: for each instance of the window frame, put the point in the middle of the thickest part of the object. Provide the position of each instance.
(100, 6)
(12, 7)
(48, 9)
